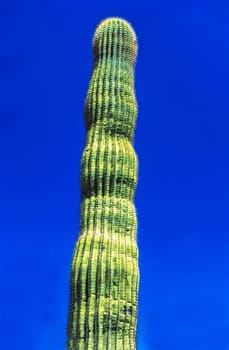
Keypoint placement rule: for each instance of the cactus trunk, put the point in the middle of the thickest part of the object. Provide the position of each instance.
(105, 272)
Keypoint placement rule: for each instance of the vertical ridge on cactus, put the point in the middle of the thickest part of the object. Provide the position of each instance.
(105, 271)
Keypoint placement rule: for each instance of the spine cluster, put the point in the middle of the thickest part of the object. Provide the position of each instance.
(105, 271)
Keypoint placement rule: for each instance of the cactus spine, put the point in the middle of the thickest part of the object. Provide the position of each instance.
(105, 271)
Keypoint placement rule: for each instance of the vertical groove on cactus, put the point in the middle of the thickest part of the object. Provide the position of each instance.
(105, 272)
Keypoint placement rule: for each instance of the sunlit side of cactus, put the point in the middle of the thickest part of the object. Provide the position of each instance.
(105, 271)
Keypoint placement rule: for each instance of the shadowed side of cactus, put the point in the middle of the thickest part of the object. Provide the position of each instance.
(105, 271)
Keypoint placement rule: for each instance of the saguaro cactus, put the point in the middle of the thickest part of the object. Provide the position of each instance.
(105, 271)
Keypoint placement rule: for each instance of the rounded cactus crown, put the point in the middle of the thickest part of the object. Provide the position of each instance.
(115, 38)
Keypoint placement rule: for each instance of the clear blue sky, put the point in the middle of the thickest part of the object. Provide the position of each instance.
(182, 197)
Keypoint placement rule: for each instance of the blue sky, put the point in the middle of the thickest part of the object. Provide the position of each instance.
(182, 143)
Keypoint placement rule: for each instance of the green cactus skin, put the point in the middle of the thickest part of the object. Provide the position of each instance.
(105, 270)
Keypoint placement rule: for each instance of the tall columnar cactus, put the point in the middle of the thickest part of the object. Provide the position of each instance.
(105, 271)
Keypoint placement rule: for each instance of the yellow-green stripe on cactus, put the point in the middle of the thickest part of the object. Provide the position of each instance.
(105, 271)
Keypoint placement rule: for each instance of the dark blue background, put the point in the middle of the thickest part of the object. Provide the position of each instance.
(181, 139)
